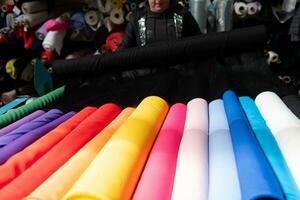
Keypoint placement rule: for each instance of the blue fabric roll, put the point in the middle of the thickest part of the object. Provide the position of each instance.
(12, 104)
(22, 142)
(256, 176)
(29, 126)
(270, 147)
(222, 185)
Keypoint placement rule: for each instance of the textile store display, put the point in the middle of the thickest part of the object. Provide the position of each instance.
(221, 156)
(285, 127)
(60, 153)
(257, 181)
(161, 164)
(36, 123)
(18, 163)
(293, 102)
(20, 122)
(68, 174)
(22, 111)
(115, 171)
(28, 138)
(191, 177)
(271, 150)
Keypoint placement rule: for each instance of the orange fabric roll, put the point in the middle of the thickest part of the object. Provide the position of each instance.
(70, 172)
(30, 179)
(18, 163)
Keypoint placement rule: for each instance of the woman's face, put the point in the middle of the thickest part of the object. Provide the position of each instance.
(159, 6)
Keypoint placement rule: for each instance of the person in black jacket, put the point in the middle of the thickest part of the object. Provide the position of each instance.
(159, 20)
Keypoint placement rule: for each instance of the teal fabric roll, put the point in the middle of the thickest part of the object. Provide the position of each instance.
(12, 104)
(270, 147)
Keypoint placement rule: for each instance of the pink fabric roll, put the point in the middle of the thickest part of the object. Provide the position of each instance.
(157, 179)
(56, 25)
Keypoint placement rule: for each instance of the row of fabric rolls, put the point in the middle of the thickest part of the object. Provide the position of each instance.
(230, 149)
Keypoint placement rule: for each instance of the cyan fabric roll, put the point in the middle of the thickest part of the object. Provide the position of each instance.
(12, 104)
(223, 174)
(29, 126)
(20, 122)
(285, 127)
(270, 147)
(256, 176)
(191, 176)
(23, 141)
(161, 164)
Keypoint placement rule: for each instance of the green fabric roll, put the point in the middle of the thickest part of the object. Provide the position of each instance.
(22, 111)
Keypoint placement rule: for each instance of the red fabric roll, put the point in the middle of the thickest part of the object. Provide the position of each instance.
(60, 153)
(18, 163)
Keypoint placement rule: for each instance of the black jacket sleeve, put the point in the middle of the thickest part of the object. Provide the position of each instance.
(129, 39)
(190, 26)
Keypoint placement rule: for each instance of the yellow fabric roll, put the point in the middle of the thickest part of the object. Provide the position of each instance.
(58, 184)
(10, 69)
(115, 171)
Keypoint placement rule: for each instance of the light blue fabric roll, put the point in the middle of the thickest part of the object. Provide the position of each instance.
(256, 176)
(223, 175)
(12, 104)
(271, 149)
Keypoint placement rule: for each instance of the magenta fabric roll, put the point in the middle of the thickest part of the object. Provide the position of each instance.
(20, 122)
(56, 25)
(157, 179)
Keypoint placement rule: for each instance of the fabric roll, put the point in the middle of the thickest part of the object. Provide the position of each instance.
(117, 16)
(56, 25)
(289, 5)
(36, 123)
(240, 9)
(24, 110)
(191, 177)
(34, 6)
(293, 103)
(23, 141)
(104, 6)
(285, 127)
(199, 9)
(256, 177)
(116, 169)
(71, 170)
(20, 122)
(41, 32)
(12, 104)
(253, 8)
(165, 54)
(223, 174)
(270, 147)
(279, 115)
(54, 41)
(18, 163)
(7, 97)
(161, 164)
(94, 19)
(59, 154)
(224, 14)
(33, 19)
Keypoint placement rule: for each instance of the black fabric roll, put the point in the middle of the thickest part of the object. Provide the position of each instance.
(164, 54)
(293, 102)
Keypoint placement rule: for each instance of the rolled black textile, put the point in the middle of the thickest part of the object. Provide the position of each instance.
(11, 50)
(293, 103)
(164, 54)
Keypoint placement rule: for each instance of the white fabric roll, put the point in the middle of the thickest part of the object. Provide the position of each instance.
(34, 6)
(108, 24)
(54, 40)
(191, 177)
(253, 8)
(94, 19)
(104, 7)
(223, 174)
(117, 16)
(285, 126)
(289, 5)
(34, 19)
(277, 115)
(240, 9)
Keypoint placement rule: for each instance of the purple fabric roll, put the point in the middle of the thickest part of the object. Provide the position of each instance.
(22, 142)
(29, 126)
(20, 122)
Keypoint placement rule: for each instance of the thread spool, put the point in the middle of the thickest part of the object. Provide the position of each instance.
(253, 8)
(240, 9)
